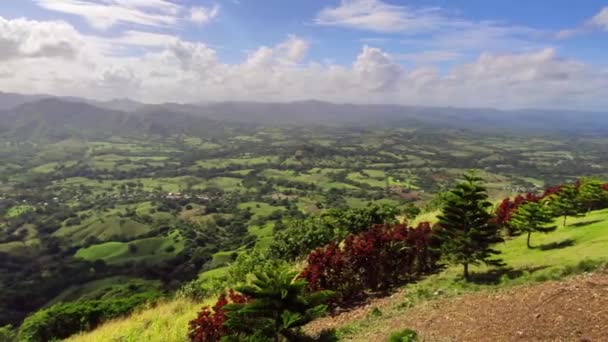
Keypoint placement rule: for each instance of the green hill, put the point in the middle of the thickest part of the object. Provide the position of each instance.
(580, 246)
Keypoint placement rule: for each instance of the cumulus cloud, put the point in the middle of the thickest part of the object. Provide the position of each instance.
(600, 20)
(167, 68)
(376, 69)
(203, 15)
(294, 49)
(29, 38)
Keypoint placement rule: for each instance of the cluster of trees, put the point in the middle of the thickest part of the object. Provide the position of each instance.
(535, 213)
(301, 236)
(62, 320)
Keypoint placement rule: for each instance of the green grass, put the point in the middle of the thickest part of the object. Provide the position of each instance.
(103, 227)
(260, 208)
(375, 181)
(18, 210)
(111, 287)
(245, 161)
(147, 250)
(579, 247)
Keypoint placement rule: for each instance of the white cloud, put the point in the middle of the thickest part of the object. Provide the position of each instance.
(107, 13)
(166, 68)
(597, 22)
(30, 38)
(430, 56)
(376, 70)
(203, 15)
(600, 20)
(375, 15)
(294, 48)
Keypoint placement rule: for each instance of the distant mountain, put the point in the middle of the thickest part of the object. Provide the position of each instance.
(11, 100)
(318, 112)
(46, 115)
(56, 118)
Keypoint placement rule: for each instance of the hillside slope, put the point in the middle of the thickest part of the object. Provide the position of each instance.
(576, 248)
(570, 310)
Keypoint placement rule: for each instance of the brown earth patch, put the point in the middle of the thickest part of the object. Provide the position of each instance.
(575, 309)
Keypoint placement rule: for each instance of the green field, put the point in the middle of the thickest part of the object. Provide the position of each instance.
(144, 250)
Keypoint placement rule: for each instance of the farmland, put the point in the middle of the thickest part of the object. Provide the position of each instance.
(171, 208)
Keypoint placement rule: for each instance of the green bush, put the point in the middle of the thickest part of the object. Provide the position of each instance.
(8, 334)
(407, 335)
(64, 319)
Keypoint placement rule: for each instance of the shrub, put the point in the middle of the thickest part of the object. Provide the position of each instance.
(280, 304)
(407, 335)
(62, 320)
(209, 323)
(8, 334)
(377, 259)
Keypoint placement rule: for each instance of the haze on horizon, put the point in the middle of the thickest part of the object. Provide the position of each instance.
(503, 54)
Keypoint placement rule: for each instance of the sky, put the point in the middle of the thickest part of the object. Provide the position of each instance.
(466, 53)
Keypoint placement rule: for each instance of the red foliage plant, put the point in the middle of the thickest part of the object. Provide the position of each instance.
(208, 325)
(376, 259)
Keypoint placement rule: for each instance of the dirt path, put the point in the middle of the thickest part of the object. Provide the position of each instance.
(572, 310)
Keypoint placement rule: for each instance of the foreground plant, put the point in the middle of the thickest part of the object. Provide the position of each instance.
(209, 324)
(280, 304)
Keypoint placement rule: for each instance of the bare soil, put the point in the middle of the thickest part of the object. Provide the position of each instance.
(575, 309)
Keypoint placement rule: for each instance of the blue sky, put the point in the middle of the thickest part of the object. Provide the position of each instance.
(412, 52)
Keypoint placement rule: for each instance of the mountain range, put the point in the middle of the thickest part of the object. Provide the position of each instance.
(45, 116)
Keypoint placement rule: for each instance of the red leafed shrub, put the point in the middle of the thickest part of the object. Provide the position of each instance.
(605, 186)
(376, 259)
(208, 325)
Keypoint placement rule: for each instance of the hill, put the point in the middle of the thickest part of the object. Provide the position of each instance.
(170, 118)
(57, 119)
(579, 247)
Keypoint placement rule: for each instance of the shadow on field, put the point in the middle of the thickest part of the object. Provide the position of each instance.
(492, 277)
(582, 224)
(556, 245)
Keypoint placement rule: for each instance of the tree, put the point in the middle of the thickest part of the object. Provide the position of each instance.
(279, 305)
(532, 217)
(465, 228)
(566, 202)
(592, 195)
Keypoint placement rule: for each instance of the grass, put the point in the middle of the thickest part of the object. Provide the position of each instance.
(103, 227)
(111, 287)
(148, 250)
(586, 250)
(163, 322)
(18, 210)
(579, 247)
(260, 208)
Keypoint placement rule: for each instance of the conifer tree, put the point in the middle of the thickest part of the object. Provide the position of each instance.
(532, 217)
(592, 195)
(566, 202)
(465, 228)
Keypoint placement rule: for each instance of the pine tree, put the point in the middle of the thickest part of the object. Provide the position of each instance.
(566, 202)
(592, 195)
(532, 217)
(465, 228)
(280, 304)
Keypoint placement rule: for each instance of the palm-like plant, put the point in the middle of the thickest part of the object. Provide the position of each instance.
(280, 305)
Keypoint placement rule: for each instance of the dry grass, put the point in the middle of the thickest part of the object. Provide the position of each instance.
(165, 322)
